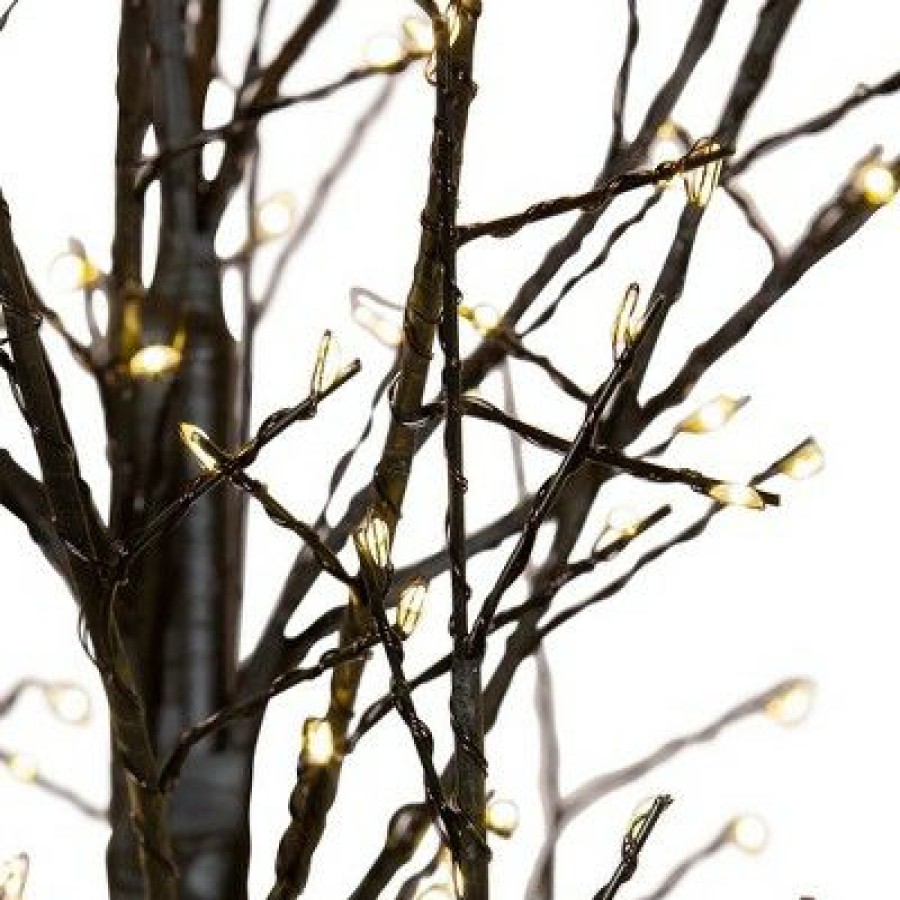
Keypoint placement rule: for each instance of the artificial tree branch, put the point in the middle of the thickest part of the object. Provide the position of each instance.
(88, 553)
(595, 200)
(342, 162)
(861, 94)
(688, 864)
(54, 789)
(314, 792)
(24, 496)
(834, 223)
(635, 839)
(490, 353)
(261, 86)
(587, 795)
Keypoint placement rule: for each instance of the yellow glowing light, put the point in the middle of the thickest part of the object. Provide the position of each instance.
(793, 704)
(621, 522)
(807, 460)
(318, 742)
(70, 702)
(418, 36)
(154, 361)
(700, 183)
(383, 329)
(749, 833)
(383, 51)
(200, 444)
(436, 892)
(666, 147)
(13, 877)
(373, 541)
(274, 216)
(502, 817)
(329, 365)
(411, 605)
(23, 768)
(71, 271)
(628, 322)
(484, 318)
(877, 183)
(733, 494)
(712, 415)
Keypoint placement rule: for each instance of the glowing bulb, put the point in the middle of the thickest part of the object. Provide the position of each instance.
(436, 892)
(750, 833)
(733, 494)
(628, 322)
(418, 36)
(701, 181)
(72, 271)
(384, 330)
(666, 147)
(373, 541)
(383, 51)
(274, 216)
(318, 742)
(411, 605)
(807, 460)
(621, 522)
(13, 877)
(329, 365)
(484, 318)
(502, 818)
(154, 361)
(69, 702)
(877, 183)
(793, 704)
(22, 768)
(200, 444)
(712, 415)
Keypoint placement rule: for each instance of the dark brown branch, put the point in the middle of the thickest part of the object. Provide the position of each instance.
(834, 224)
(638, 833)
(24, 496)
(620, 94)
(591, 201)
(55, 789)
(862, 94)
(687, 865)
(262, 88)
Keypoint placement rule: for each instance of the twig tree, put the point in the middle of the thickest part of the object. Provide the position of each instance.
(158, 576)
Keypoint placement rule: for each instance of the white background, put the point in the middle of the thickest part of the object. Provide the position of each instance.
(806, 589)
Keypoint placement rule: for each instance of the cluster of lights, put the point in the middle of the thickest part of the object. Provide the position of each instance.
(13, 877)
(701, 182)
(876, 182)
(628, 321)
(318, 748)
(411, 605)
(484, 318)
